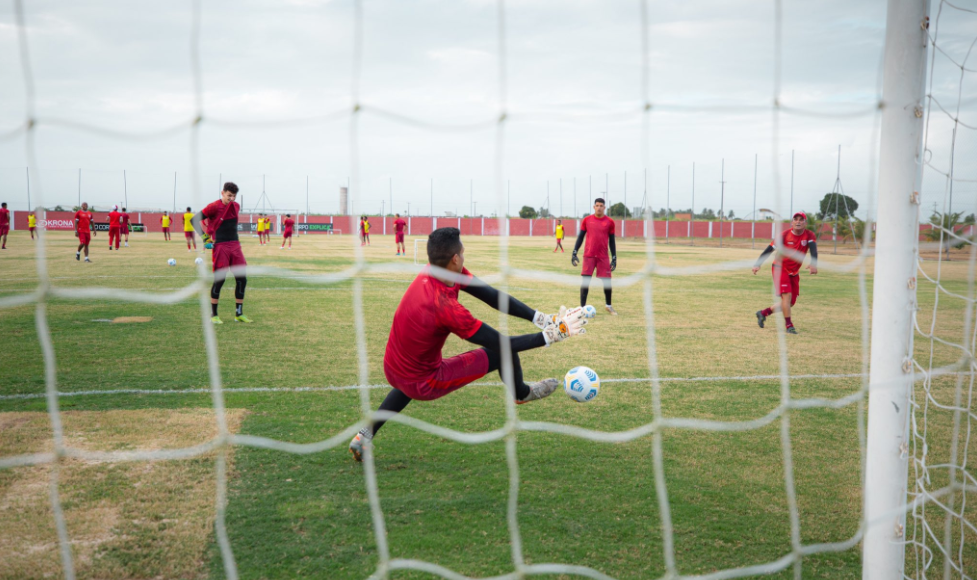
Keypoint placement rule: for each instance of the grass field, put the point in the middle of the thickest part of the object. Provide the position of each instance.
(583, 503)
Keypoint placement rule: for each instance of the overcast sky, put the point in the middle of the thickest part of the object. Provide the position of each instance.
(573, 79)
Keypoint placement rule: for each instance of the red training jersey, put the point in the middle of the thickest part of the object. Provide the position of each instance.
(796, 243)
(427, 314)
(125, 219)
(288, 223)
(83, 219)
(216, 213)
(399, 225)
(114, 217)
(4, 217)
(598, 231)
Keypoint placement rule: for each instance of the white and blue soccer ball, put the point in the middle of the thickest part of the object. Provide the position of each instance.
(581, 384)
(198, 261)
(171, 262)
(589, 311)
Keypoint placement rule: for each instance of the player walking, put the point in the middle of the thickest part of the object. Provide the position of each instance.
(165, 221)
(5, 225)
(125, 225)
(288, 224)
(84, 230)
(221, 232)
(559, 237)
(261, 229)
(188, 229)
(786, 269)
(601, 230)
(399, 225)
(31, 223)
(115, 227)
(430, 311)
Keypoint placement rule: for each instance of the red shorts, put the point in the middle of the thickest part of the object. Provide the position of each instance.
(188, 235)
(84, 237)
(454, 373)
(166, 230)
(399, 237)
(227, 254)
(31, 229)
(602, 265)
(4, 230)
(287, 234)
(787, 284)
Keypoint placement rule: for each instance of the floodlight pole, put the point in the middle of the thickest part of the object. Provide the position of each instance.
(722, 199)
(174, 192)
(79, 188)
(893, 294)
(306, 198)
(692, 218)
(668, 203)
(28, 171)
(792, 184)
(432, 196)
(125, 189)
(561, 197)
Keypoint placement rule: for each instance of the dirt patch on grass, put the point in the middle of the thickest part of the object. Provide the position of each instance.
(125, 520)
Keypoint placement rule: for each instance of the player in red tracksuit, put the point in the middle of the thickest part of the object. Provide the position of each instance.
(399, 225)
(5, 225)
(598, 229)
(221, 233)
(84, 230)
(115, 227)
(125, 226)
(795, 243)
(288, 224)
(430, 311)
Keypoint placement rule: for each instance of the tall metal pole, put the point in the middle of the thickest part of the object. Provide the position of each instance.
(29, 207)
(471, 196)
(561, 197)
(893, 296)
(590, 191)
(508, 199)
(125, 189)
(79, 188)
(625, 194)
(722, 200)
(432, 197)
(574, 197)
(607, 191)
(174, 192)
(753, 229)
(306, 197)
(668, 196)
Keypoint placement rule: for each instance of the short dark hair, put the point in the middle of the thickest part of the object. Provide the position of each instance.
(123, 209)
(288, 215)
(398, 215)
(600, 200)
(188, 208)
(442, 245)
(4, 204)
(230, 186)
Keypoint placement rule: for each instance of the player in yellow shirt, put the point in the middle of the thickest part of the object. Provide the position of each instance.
(559, 236)
(261, 229)
(366, 229)
(188, 230)
(266, 238)
(166, 221)
(31, 223)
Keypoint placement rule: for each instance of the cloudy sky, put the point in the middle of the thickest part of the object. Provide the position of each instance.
(277, 82)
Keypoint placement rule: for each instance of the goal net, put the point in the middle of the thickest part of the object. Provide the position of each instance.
(921, 525)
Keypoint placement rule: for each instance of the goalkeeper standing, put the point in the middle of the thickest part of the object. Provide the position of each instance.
(430, 311)
(601, 230)
(221, 235)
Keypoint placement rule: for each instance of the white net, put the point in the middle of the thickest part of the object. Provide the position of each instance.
(945, 535)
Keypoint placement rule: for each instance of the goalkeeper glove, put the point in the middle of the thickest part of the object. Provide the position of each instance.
(573, 259)
(542, 320)
(568, 323)
(208, 242)
(613, 263)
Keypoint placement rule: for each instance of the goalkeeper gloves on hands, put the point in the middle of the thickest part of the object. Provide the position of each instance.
(542, 320)
(208, 242)
(573, 259)
(568, 323)
(613, 263)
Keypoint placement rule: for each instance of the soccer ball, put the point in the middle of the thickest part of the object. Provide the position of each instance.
(581, 384)
(171, 262)
(589, 311)
(198, 261)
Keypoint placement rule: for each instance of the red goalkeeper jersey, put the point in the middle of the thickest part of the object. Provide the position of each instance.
(427, 314)
(598, 231)
(796, 243)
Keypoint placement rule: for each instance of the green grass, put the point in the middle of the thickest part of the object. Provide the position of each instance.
(580, 502)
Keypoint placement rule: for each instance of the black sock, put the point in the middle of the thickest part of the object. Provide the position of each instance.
(584, 290)
(607, 296)
(240, 309)
(213, 308)
(395, 401)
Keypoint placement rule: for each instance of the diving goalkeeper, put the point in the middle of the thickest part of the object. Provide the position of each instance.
(430, 311)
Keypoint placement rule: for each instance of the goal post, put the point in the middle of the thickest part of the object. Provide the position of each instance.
(893, 293)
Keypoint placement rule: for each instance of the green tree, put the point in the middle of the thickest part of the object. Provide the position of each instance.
(837, 206)
(528, 212)
(729, 215)
(544, 212)
(619, 210)
(943, 223)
